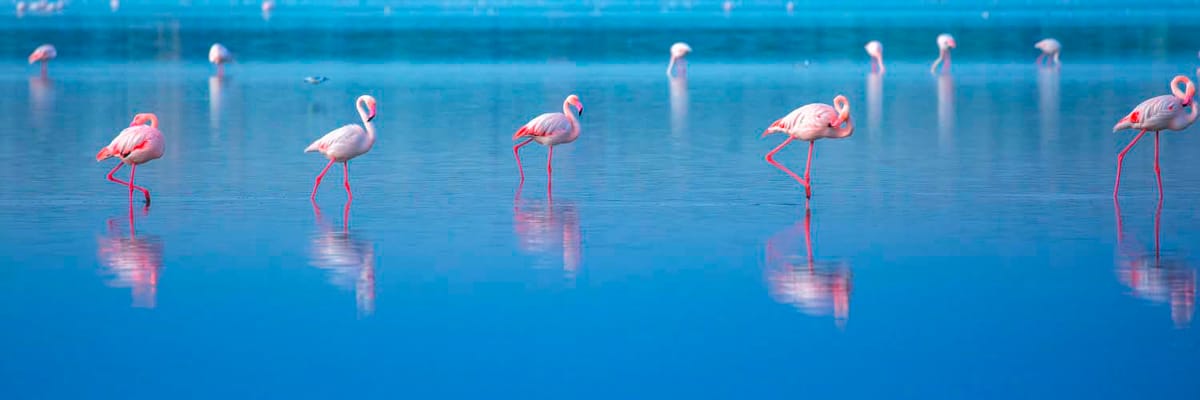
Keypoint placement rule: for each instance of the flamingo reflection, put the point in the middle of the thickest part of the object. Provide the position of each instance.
(350, 260)
(1153, 277)
(1048, 88)
(215, 84)
(945, 109)
(133, 261)
(679, 105)
(547, 229)
(814, 287)
(41, 99)
(874, 100)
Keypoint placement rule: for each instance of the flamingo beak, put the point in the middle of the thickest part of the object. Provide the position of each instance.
(371, 116)
(952, 44)
(579, 106)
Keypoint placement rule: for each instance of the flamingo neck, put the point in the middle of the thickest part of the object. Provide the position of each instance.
(370, 126)
(571, 115)
(153, 120)
(670, 68)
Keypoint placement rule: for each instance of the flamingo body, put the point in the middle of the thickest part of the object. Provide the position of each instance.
(550, 129)
(945, 43)
(219, 56)
(1050, 50)
(345, 143)
(875, 49)
(43, 54)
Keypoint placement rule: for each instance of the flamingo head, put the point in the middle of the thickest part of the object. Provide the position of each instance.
(1187, 93)
(574, 101)
(945, 41)
(679, 50)
(843, 109)
(874, 49)
(370, 104)
(142, 118)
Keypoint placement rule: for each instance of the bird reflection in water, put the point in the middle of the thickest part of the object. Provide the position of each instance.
(1155, 277)
(1047, 84)
(41, 99)
(133, 261)
(215, 85)
(945, 109)
(874, 100)
(813, 287)
(350, 260)
(548, 229)
(679, 105)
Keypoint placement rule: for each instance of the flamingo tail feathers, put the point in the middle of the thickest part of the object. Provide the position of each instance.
(524, 131)
(1127, 122)
(315, 146)
(104, 153)
(775, 127)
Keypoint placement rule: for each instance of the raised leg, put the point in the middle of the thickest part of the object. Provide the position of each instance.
(807, 170)
(518, 157)
(1157, 170)
(1121, 160)
(346, 181)
(319, 176)
(771, 160)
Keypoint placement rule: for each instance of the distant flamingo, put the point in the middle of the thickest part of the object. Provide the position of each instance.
(945, 42)
(1157, 114)
(679, 51)
(219, 55)
(20, 7)
(875, 50)
(809, 123)
(43, 54)
(268, 6)
(1050, 49)
(347, 142)
(137, 144)
(550, 129)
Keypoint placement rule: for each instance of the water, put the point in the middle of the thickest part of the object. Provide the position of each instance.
(964, 241)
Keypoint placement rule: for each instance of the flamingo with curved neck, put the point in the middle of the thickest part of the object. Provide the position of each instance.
(550, 129)
(945, 43)
(875, 49)
(810, 123)
(1158, 114)
(345, 143)
(135, 145)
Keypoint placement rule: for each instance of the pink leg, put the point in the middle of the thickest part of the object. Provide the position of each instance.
(1039, 59)
(550, 159)
(220, 70)
(771, 160)
(346, 181)
(1121, 160)
(518, 157)
(1157, 170)
(129, 184)
(807, 170)
(946, 66)
(318, 184)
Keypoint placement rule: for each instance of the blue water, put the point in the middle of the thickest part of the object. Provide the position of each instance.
(964, 242)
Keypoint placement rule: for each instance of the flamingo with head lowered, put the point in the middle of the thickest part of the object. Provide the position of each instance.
(875, 50)
(1050, 50)
(945, 42)
(219, 55)
(679, 52)
(137, 144)
(43, 54)
(1158, 114)
(345, 143)
(550, 129)
(809, 123)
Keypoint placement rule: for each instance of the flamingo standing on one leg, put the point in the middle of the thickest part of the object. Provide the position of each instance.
(345, 143)
(550, 129)
(809, 123)
(43, 54)
(1050, 49)
(137, 144)
(1157, 114)
(219, 55)
(679, 52)
(875, 50)
(945, 42)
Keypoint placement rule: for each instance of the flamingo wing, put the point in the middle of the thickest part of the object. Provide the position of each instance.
(129, 140)
(548, 124)
(1158, 111)
(812, 116)
(219, 54)
(43, 52)
(346, 139)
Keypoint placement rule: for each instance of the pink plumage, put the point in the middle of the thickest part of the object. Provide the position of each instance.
(1158, 114)
(809, 123)
(550, 129)
(135, 145)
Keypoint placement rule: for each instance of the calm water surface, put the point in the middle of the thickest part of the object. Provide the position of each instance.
(963, 243)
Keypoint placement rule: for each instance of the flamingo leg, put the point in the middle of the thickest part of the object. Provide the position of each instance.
(130, 183)
(1121, 160)
(220, 70)
(946, 65)
(44, 66)
(807, 170)
(346, 181)
(319, 176)
(1157, 170)
(1040, 59)
(549, 160)
(771, 160)
(671, 67)
(518, 157)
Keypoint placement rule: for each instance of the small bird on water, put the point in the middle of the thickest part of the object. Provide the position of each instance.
(315, 80)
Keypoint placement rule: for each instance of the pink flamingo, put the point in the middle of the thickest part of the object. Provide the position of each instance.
(945, 42)
(1157, 114)
(809, 123)
(43, 54)
(137, 144)
(875, 50)
(550, 129)
(347, 142)
(679, 52)
(1050, 49)
(268, 6)
(219, 55)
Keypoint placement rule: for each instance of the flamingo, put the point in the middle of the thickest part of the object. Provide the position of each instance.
(809, 123)
(679, 51)
(345, 143)
(550, 129)
(219, 55)
(268, 6)
(875, 50)
(1157, 114)
(137, 144)
(945, 42)
(43, 54)
(20, 7)
(1050, 49)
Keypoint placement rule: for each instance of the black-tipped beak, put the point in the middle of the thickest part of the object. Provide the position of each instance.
(580, 111)
(370, 118)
